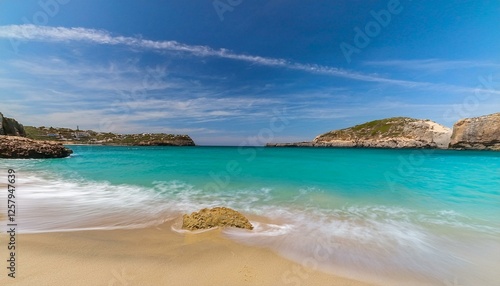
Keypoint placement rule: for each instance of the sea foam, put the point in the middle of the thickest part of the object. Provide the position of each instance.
(360, 241)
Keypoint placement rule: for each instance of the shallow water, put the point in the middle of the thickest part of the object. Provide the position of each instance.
(402, 217)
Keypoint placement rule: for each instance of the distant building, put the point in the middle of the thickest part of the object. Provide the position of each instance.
(81, 134)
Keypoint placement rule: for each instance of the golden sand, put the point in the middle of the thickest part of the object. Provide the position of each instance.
(152, 256)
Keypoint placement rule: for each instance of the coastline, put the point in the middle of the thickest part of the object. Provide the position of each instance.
(360, 238)
(155, 256)
(121, 145)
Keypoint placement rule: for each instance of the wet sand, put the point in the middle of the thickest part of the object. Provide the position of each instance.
(152, 256)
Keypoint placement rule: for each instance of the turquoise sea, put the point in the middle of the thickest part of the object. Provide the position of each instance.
(395, 217)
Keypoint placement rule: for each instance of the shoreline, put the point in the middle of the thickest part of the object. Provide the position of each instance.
(291, 146)
(155, 256)
(365, 240)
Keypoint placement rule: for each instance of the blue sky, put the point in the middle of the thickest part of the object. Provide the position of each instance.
(235, 72)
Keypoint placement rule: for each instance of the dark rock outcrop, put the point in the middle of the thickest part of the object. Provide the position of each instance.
(23, 148)
(478, 133)
(218, 216)
(9, 126)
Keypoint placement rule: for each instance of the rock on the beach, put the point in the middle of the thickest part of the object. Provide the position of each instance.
(479, 133)
(23, 148)
(218, 216)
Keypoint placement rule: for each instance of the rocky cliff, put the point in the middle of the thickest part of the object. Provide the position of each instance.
(72, 136)
(9, 126)
(168, 140)
(478, 133)
(16, 147)
(396, 132)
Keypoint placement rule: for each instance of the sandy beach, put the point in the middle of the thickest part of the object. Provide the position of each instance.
(153, 256)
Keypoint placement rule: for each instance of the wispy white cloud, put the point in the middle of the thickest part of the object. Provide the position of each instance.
(100, 95)
(105, 121)
(434, 65)
(54, 84)
(62, 34)
(102, 37)
(201, 109)
(111, 76)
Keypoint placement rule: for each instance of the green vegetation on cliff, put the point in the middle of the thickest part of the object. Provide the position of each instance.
(67, 135)
(395, 132)
(377, 129)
